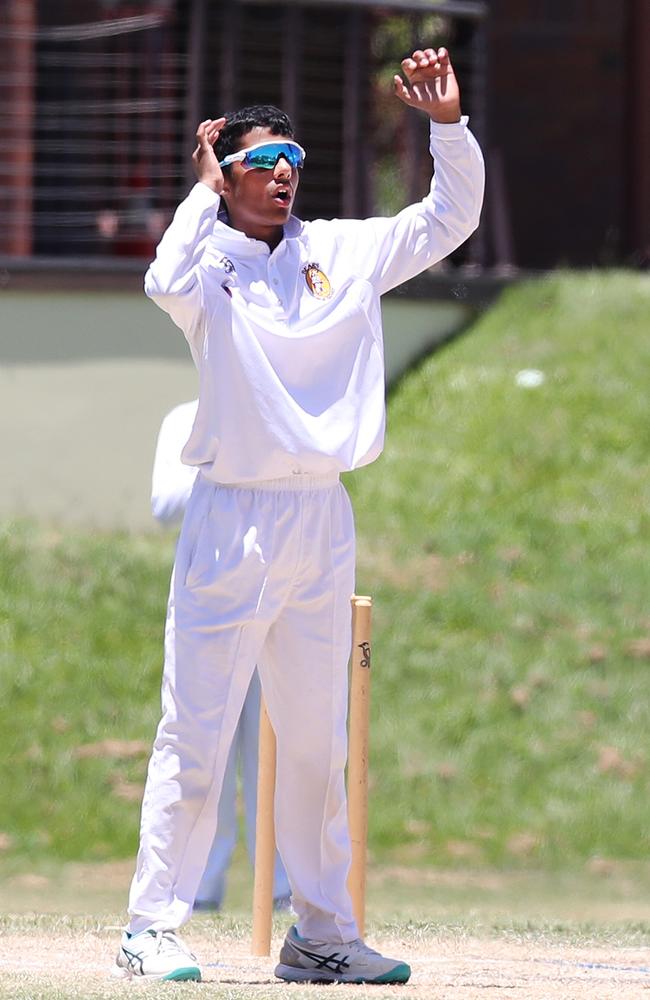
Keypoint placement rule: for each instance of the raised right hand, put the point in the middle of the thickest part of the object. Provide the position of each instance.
(431, 85)
(204, 160)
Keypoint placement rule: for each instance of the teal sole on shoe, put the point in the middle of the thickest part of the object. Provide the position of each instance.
(400, 974)
(189, 974)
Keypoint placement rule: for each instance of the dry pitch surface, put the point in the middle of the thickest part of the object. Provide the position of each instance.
(478, 936)
(65, 962)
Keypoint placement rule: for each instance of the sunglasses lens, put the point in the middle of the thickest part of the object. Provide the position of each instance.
(266, 157)
(261, 158)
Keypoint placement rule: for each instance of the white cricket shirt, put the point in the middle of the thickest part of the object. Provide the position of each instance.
(288, 344)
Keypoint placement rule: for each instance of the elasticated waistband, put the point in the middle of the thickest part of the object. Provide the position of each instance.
(295, 482)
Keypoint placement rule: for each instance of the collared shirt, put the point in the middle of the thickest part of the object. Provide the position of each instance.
(288, 343)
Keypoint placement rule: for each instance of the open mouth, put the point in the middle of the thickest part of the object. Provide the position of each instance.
(282, 196)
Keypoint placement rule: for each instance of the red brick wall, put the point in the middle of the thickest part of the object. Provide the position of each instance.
(16, 191)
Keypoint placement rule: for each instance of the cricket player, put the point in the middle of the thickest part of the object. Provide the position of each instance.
(171, 487)
(283, 321)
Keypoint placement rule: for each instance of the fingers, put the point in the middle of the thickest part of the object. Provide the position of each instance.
(400, 90)
(204, 160)
(430, 85)
(438, 59)
(412, 95)
(427, 62)
(208, 132)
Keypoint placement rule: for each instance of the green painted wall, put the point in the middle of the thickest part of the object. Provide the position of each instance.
(86, 378)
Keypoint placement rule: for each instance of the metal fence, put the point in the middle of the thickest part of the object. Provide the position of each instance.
(93, 106)
(100, 99)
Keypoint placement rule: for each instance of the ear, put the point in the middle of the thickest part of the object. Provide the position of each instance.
(226, 195)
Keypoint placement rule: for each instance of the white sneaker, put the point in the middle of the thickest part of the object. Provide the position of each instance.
(155, 955)
(306, 961)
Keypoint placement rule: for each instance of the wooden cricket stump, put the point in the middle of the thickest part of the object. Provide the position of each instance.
(358, 727)
(264, 838)
(358, 730)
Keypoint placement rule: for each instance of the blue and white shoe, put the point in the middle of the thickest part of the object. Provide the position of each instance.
(305, 961)
(155, 955)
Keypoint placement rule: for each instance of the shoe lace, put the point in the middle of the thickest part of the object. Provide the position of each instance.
(360, 947)
(169, 942)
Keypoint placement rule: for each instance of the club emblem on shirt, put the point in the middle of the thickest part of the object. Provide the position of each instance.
(227, 265)
(317, 281)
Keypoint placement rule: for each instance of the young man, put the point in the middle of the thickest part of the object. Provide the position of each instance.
(283, 321)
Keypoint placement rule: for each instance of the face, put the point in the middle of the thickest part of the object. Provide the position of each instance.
(260, 201)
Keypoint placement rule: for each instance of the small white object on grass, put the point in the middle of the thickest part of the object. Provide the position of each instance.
(530, 378)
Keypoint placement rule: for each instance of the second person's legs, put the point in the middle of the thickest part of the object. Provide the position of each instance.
(212, 888)
(248, 731)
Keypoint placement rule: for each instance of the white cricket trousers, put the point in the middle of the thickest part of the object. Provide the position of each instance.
(243, 756)
(264, 573)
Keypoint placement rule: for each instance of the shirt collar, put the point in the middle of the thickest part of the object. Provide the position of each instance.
(230, 240)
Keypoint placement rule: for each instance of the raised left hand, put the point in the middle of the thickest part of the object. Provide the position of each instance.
(431, 85)
(204, 160)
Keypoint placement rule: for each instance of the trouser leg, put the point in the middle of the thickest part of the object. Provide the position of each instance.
(212, 640)
(184, 781)
(304, 674)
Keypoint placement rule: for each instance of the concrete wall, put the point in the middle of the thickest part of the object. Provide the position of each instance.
(86, 378)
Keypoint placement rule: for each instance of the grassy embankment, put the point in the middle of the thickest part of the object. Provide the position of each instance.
(504, 536)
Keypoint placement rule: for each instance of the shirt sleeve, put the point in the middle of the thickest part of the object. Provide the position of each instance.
(174, 279)
(172, 481)
(395, 249)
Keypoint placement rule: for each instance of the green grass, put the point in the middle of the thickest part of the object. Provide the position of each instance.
(481, 901)
(504, 537)
(80, 663)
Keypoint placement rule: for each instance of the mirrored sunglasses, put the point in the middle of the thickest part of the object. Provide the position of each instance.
(265, 155)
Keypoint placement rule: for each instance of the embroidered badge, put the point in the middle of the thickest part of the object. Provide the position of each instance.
(227, 265)
(317, 281)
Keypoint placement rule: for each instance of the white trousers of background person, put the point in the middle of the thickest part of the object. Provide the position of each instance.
(264, 573)
(244, 751)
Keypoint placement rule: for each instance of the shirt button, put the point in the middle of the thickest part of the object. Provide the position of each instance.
(275, 281)
(295, 472)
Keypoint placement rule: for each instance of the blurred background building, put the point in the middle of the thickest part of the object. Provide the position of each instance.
(100, 100)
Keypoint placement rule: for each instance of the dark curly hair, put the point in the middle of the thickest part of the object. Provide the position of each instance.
(239, 123)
